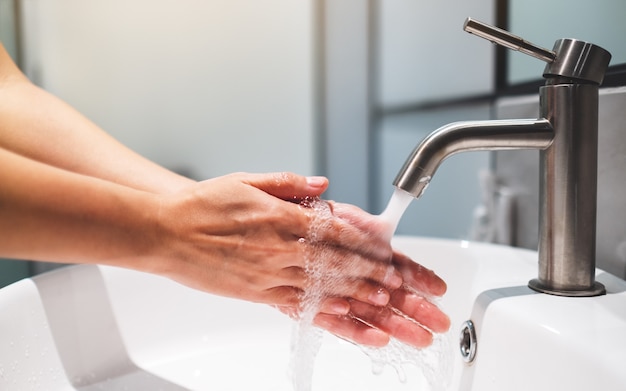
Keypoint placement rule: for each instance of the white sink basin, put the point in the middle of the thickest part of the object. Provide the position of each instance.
(103, 328)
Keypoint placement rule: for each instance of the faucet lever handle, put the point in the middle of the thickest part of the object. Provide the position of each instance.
(508, 40)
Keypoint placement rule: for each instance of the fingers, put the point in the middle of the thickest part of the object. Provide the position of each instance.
(337, 283)
(282, 297)
(420, 309)
(393, 323)
(360, 290)
(408, 318)
(334, 264)
(335, 306)
(417, 277)
(368, 293)
(360, 232)
(329, 306)
(286, 185)
(349, 243)
(362, 220)
(352, 329)
(339, 286)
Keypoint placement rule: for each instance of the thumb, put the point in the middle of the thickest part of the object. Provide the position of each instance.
(287, 185)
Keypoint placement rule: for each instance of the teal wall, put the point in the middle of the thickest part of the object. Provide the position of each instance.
(11, 271)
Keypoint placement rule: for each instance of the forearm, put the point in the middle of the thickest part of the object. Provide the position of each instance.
(37, 125)
(54, 215)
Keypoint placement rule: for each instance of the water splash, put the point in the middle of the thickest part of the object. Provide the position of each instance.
(306, 338)
(434, 362)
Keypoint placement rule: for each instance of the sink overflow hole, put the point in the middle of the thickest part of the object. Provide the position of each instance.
(467, 341)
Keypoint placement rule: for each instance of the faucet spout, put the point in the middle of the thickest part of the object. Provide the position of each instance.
(456, 137)
(566, 135)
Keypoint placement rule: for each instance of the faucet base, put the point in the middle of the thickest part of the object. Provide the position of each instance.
(596, 290)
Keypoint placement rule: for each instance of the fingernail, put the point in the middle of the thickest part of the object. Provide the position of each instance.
(316, 181)
(380, 297)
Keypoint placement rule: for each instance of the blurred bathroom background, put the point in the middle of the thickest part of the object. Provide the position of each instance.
(343, 88)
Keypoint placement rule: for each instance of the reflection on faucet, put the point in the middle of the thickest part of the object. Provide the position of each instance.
(469, 136)
(493, 219)
(566, 134)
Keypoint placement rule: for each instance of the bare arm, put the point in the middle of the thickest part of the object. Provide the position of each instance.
(38, 125)
(51, 214)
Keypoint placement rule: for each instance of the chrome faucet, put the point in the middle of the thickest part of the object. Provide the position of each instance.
(567, 136)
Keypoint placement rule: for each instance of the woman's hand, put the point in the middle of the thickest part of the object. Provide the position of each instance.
(409, 316)
(240, 236)
(246, 236)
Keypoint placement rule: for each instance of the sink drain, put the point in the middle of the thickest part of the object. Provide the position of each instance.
(467, 341)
